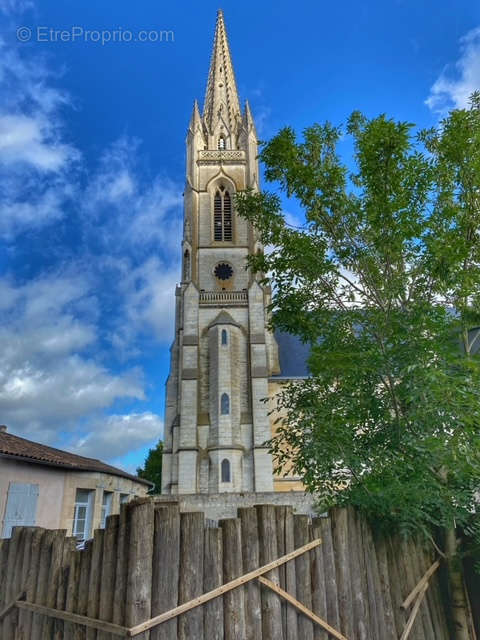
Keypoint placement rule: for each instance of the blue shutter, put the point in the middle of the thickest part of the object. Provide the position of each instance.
(21, 507)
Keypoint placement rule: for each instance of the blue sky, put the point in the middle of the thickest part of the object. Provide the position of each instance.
(92, 170)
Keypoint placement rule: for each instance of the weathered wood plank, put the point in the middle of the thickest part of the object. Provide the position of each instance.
(83, 621)
(140, 550)
(413, 615)
(190, 624)
(319, 596)
(42, 582)
(166, 563)
(302, 569)
(213, 624)
(54, 575)
(251, 561)
(107, 579)
(271, 606)
(385, 594)
(234, 600)
(361, 622)
(342, 564)
(333, 614)
(121, 569)
(79, 632)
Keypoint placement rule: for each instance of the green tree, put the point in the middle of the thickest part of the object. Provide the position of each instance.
(383, 282)
(152, 469)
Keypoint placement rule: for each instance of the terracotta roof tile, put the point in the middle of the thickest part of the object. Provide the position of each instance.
(21, 448)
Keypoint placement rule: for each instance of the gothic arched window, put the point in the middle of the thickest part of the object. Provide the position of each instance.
(224, 404)
(186, 265)
(226, 470)
(224, 336)
(221, 143)
(222, 215)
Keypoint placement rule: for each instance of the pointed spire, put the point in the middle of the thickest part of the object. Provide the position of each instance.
(248, 121)
(221, 99)
(196, 118)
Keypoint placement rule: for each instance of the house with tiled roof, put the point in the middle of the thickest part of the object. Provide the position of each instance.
(47, 487)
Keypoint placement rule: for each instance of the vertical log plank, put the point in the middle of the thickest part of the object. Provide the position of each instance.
(251, 561)
(26, 617)
(302, 569)
(213, 623)
(190, 625)
(79, 632)
(72, 586)
(54, 575)
(166, 563)
(140, 551)
(319, 596)
(280, 514)
(121, 569)
(107, 579)
(233, 601)
(333, 615)
(271, 608)
(357, 573)
(342, 557)
(94, 582)
(42, 582)
(381, 549)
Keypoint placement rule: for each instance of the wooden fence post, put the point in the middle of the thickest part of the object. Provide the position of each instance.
(95, 580)
(358, 574)
(121, 568)
(53, 580)
(319, 595)
(233, 601)
(190, 625)
(213, 623)
(251, 561)
(271, 607)
(166, 563)
(140, 553)
(302, 569)
(42, 582)
(107, 574)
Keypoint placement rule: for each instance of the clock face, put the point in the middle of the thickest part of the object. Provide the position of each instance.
(223, 271)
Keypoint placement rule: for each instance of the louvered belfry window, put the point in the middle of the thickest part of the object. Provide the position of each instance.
(222, 216)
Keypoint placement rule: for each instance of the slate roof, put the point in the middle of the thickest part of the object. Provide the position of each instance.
(293, 356)
(26, 450)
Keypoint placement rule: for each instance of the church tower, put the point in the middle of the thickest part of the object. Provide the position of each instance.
(222, 356)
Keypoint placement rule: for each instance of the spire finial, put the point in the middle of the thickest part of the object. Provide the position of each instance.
(221, 99)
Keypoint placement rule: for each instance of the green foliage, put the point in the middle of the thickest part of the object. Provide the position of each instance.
(383, 282)
(152, 469)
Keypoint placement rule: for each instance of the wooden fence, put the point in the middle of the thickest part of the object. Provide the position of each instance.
(151, 558)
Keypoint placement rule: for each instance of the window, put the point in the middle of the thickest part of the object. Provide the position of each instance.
(186, 265)
(82, 517)
(124, 498)
(21, 509)
(224, 336)
(221, 143)
(222, 216)
(225, 404)
(106, 508)
(226, 470)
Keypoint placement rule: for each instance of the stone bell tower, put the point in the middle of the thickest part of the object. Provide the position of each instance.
(222, 356)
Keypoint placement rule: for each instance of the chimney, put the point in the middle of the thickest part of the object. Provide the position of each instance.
(3, 428)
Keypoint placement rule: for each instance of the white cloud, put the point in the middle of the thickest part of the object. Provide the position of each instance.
(456, 83)
(15, 6)
(37, 166)
(48, 377)
(137, 211)
(117, 435)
